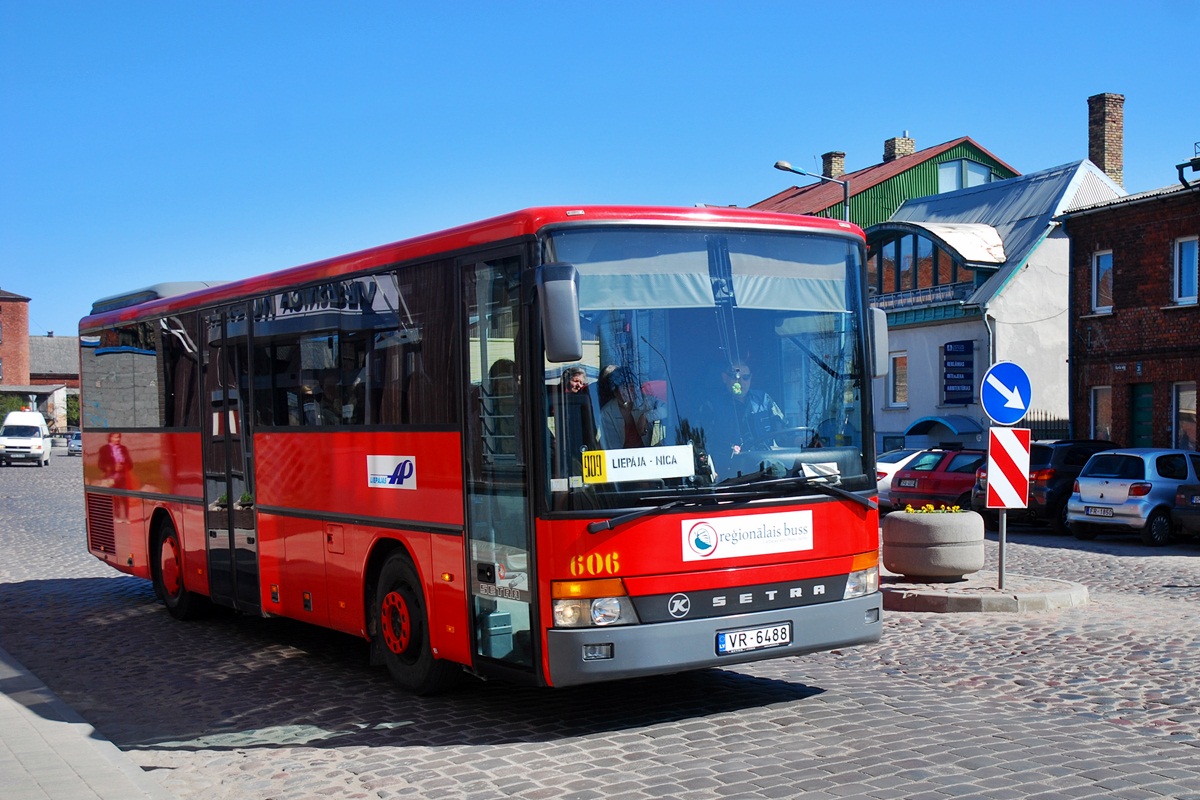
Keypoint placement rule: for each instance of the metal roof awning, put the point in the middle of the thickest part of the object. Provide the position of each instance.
(957, 423)
(978, 245)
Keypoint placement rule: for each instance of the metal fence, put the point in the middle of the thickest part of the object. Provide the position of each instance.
(1044, 425)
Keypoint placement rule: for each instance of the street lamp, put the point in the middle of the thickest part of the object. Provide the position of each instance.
(786, 167)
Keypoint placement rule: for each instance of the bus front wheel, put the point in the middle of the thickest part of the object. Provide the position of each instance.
(402, 630)
(168, 576)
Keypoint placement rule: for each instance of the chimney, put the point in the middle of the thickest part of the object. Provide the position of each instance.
(833, 164)
(1106, 134)
(898, 147)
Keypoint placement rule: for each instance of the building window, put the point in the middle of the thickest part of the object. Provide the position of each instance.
(1101, 412)
(908, 280)
(1102, 281)
(910, 262)
(962, 174)
(1184, 415)
(898, 388)
(1186, 269)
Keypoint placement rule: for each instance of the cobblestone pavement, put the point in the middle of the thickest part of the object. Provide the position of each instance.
(1098, 701)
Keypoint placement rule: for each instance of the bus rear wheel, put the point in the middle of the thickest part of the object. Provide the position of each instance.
(402, 631)
(168, 576)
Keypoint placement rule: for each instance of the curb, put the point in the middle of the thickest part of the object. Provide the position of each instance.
(978, 593)
(50, 751)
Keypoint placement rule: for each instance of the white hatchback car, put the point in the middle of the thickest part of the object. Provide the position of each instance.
(888, 464)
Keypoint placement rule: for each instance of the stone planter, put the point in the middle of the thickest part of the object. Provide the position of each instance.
(937, 546)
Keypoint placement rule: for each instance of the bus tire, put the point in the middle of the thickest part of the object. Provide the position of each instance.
(402, 630)
(167, 565)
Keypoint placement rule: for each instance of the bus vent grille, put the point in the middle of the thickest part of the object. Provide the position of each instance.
(101, 537)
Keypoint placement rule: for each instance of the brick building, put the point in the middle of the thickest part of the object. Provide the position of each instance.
(1134, 360)
(14, 338)
(38, 370)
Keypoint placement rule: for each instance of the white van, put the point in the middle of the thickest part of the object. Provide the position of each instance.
(24, 437)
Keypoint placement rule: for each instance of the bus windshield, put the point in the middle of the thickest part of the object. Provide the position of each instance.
(711, 359)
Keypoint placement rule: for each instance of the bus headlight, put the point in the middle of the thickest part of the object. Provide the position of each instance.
(862, 582)
(584, 604)
(595, 612)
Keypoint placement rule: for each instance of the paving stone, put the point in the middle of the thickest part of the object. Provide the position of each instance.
(1096, 700)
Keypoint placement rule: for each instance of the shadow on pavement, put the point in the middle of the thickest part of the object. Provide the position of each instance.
(147, 681)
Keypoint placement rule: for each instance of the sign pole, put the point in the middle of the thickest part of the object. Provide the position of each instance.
(1003, 537)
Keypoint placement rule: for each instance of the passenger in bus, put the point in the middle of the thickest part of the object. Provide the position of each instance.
(579, 418)
(574, 421)
(629, 417)
(574, 380)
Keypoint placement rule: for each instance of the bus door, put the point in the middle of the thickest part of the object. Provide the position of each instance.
(228, 461)
(500, 560)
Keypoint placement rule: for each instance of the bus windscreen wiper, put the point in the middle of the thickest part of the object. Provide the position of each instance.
(821, 485)
(609, 524)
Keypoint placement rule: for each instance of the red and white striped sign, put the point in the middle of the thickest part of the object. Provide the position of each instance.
(1008, 468)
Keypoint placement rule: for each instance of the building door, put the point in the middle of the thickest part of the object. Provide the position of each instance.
(496, 462)
(1141, 415)
(229, 514)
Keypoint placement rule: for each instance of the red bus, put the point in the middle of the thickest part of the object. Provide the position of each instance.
(559, 446)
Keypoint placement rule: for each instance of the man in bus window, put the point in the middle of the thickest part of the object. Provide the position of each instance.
(579, 419)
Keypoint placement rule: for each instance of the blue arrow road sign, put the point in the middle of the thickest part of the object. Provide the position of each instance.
(1005, 393)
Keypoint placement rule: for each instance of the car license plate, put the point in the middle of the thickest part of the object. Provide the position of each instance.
(1097, 511)
(908, 483)
(745, 639)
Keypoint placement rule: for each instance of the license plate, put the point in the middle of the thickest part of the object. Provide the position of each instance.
(1097, 511)
(908, 483)
(745, 639)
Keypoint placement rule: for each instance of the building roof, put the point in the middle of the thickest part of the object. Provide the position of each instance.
(1128, 200)
(817, 197)
(53, 355)
(10, 296)
(1021, 210)
(27, 389)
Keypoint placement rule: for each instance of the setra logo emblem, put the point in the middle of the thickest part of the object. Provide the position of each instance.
(702, 539)
(679, 605)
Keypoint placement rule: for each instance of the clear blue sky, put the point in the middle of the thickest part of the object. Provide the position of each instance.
(143, 142)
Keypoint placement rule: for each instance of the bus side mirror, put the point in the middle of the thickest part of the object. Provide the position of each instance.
(558, 295)
(879, 341)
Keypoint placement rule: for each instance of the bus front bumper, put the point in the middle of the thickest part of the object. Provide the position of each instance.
(588, 655)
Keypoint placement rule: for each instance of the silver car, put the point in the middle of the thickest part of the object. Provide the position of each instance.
(1130, 489)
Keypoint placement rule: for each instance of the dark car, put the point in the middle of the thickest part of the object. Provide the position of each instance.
(1185, 516)
(938, 478)
(1054, 464)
